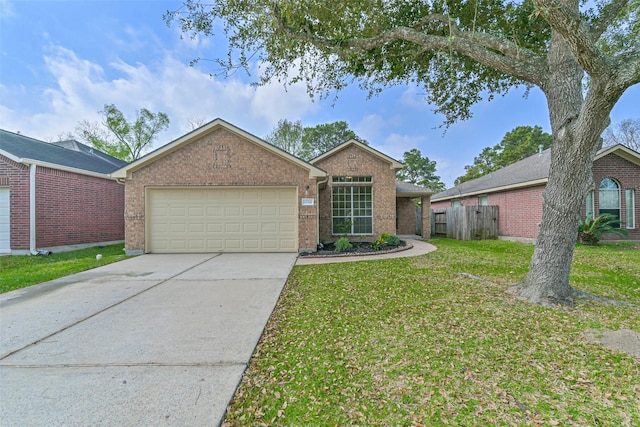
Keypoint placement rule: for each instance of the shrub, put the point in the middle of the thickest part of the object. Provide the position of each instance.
(392, 240)
(590, 230)
(342, 245)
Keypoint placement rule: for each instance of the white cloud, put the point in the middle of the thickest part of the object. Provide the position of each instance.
(7, 9)
(395, 144)
(81, 88)
(370, 127)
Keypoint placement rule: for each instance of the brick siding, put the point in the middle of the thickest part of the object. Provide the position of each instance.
(521, 209)
(219, 158)
(627, 175)
(406, 216)
(355, 161)
(71, 208)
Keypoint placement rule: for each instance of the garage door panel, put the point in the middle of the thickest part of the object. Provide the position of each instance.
(216, 219)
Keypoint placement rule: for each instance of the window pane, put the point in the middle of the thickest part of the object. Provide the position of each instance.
(609, 195)
(483, 200)
(455, 203)
(352, 209)
(589, 205)
(630, 201)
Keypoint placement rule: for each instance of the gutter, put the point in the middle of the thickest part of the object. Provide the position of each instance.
(32, 209)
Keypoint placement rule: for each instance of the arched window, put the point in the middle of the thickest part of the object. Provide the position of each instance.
(609, 197)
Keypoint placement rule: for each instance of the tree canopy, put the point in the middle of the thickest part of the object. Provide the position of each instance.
(517, 144)
(460, 52)
(420, 171)
(310, 141)
(627, 133)
(121, 138)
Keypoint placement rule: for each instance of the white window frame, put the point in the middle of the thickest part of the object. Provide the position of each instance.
(630, 208)
(361, 182)
(590, 206)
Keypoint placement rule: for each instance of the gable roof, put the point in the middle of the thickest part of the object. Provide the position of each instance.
(405, 189)
(396, 165)
(68, 155)
(531, 171)
(126, 171)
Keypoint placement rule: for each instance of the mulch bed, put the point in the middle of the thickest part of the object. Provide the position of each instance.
(359, 248)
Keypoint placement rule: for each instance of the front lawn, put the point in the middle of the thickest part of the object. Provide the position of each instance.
(21, 271)
(409, 341)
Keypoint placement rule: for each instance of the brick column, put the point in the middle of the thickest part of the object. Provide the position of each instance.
(426, 217)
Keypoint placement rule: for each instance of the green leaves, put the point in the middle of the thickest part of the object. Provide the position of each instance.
(517, 144)
(123, 139)
(309, 142)
(420, 171)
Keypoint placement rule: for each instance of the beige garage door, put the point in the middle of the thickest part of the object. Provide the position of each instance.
(231, 219)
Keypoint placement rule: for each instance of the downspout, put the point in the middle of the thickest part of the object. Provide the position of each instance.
(32, 209)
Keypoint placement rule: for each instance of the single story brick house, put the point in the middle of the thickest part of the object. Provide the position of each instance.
(222, 189)
(57, 196)
(517, 190)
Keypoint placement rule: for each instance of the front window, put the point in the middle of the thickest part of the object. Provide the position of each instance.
(352, 208)
(483, 200)
(630, 202)
(455, 203)
(609, 197)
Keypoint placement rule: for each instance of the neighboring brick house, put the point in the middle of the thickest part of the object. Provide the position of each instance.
(517, 190)
(57, 196)
(221, 189)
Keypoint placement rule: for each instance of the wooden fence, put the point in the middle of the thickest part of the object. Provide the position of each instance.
(465, 222)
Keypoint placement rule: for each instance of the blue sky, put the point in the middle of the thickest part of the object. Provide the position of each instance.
(61, 61)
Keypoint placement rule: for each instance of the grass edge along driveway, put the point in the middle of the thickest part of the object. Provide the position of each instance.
(18, 272)
(409, 341)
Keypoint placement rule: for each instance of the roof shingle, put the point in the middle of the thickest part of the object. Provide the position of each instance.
(72, 154)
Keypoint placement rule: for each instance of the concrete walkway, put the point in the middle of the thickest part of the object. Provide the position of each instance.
(419, 248)
(153, 340)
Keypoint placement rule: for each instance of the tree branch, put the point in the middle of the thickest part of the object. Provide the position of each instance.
(576, 34)
(487, 50)
(608, 15)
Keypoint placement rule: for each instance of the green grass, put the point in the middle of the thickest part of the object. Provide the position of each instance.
(21, 271)
(409, 341)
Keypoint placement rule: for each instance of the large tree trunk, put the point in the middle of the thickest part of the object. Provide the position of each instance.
(570, 174)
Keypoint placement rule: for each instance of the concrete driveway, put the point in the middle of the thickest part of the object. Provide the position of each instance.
(153, 340)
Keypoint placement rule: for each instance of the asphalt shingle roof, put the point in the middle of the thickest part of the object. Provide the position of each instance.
(71, 154)
(532, 168)
(407, 188)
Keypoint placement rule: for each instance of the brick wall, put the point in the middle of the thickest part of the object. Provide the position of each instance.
(406, 216)
(627, 175)
(70, 208)
(74, 209)
(16, 176)
(521, 209)
(355, 161)
(220, 158)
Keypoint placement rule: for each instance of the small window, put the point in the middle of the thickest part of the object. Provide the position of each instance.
(589, 205)
(483, 200)
(351, 179)
(630, 202)
(455, 203)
